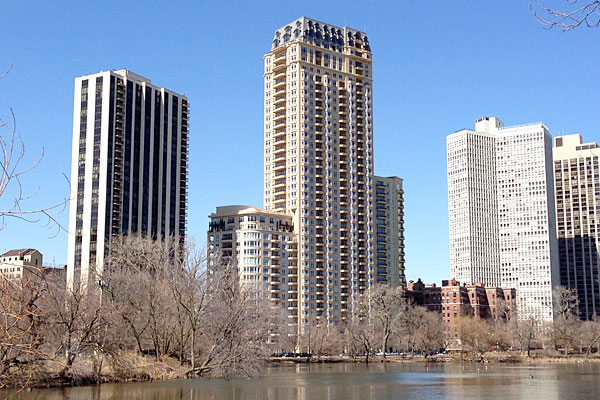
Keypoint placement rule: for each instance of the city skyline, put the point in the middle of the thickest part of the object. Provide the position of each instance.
(422, 107)
(330, 229)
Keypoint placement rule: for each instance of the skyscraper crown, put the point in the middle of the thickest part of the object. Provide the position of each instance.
(319, 34)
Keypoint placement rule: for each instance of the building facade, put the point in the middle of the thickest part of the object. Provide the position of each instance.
(129, 166)
(263, 246)
(527, 218)
(473, 207)
(388, 217)
(576, 178)
(524, 230)
(318, 167)
(454, 301)
(21, 263)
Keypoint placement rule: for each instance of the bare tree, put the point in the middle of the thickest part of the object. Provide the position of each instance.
(364, 337)
(363, 329)
(503, 310)
(283, 332)
(313, 337)
(236, 326)
(526, 333)
(191, 290)
(501, 336)
(385, 305)
(21, 331)
(474, 333)
(564, 330)
(74, 314)
(566, 302)
(13, 168)
(135, 280)
(430, 335)
(409, 323)
(575, 14)
(590, 335)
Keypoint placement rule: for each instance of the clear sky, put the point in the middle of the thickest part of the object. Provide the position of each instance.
(437, 66)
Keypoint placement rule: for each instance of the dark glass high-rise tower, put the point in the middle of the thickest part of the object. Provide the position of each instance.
(129, 166)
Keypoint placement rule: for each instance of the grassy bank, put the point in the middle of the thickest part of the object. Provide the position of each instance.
(127, 367)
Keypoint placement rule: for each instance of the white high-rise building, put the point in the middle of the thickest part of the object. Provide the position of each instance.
(319, 160)
(129, 166)
(473, 210)
(518, 245)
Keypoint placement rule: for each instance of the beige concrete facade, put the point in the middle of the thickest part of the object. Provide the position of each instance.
(318, 141)
(388, 217)
(264, 248)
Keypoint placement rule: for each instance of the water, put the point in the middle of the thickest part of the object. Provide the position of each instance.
(357, 381)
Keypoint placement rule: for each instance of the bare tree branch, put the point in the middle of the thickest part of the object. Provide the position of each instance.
(578, 13)
(13, 194)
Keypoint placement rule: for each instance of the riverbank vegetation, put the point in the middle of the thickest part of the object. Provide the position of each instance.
(157, 310)
(151, 301)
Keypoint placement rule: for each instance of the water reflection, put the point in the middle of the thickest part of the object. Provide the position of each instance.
(357, 381)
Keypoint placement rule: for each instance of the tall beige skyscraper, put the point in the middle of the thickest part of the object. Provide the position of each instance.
(576, 177)
(319, 160)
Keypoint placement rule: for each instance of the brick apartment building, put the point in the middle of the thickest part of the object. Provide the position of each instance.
(454, 300)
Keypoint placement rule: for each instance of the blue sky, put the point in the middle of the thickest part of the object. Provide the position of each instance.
(438, 65)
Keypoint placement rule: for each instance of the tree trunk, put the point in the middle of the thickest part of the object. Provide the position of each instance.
(589, 349)
(385, 342)
(192, 355)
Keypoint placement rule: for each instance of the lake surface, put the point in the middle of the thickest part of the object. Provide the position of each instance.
(358, 381)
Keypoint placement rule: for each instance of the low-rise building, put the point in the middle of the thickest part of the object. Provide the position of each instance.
(20, 263)
(454, 300)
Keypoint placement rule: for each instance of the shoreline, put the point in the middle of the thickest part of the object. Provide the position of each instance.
(504, 357)
(163, 370)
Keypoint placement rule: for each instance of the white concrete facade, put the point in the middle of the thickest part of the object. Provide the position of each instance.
(518, 246)
(473, 209)
(21, 263)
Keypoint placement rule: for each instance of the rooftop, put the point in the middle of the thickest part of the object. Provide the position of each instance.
(18, 252)
(319, 33)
